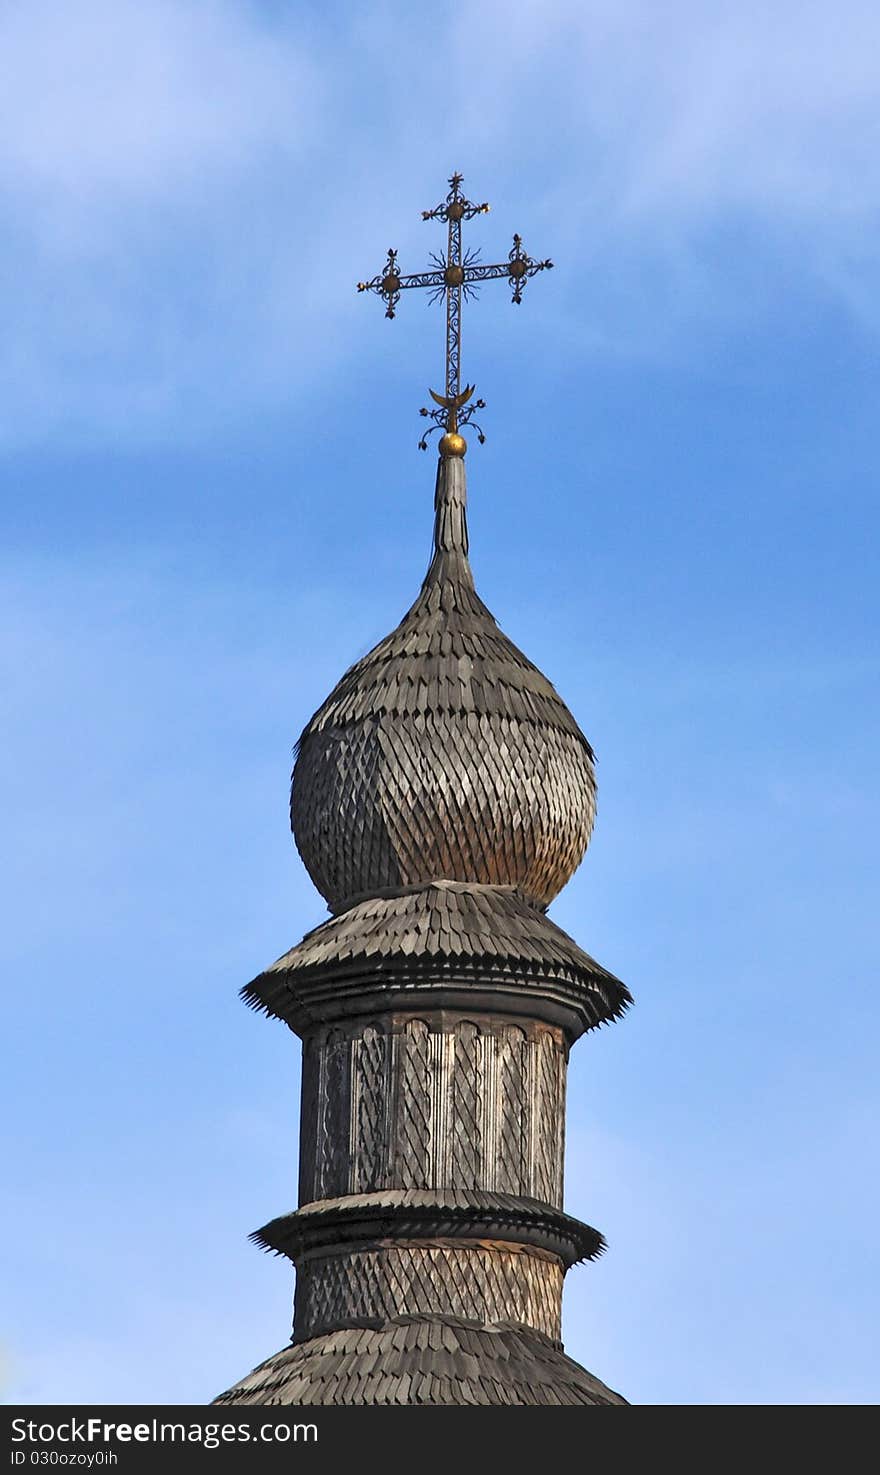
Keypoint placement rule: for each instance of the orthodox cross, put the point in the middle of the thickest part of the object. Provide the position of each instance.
(454, 276)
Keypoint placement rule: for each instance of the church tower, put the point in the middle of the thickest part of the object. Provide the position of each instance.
(442, 796)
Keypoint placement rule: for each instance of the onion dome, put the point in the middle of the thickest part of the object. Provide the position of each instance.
(443, 754)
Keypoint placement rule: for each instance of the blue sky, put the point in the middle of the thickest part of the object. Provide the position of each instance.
(212, 502)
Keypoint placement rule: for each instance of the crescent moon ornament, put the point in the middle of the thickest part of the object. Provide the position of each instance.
(454, 401)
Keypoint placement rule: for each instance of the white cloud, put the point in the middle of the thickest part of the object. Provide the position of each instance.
(136, 100)
(133, 136)
(695, 107)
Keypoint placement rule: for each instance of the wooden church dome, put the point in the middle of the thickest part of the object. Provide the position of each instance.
(443, 754)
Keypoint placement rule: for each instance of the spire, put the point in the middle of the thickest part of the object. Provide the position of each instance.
(449, 557)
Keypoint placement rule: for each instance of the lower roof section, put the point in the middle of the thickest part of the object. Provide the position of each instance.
(444, 945)
(422, 1360)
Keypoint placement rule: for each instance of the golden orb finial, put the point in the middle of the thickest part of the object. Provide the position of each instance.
(452, 444)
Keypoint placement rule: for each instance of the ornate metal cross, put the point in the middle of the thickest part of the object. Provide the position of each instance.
(452, 276)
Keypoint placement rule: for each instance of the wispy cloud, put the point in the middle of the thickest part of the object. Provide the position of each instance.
(688, 109)
(184, 184)
(140, 101)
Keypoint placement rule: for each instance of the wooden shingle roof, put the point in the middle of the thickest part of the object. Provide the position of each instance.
(420, 1360)
(444, 753)
(413, 1213)
(427, 935)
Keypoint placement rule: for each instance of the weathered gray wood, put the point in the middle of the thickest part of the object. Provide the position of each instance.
(437, 1216)
(484, 1283)
(422, 1360)
(416, 941)
(434, 1102)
